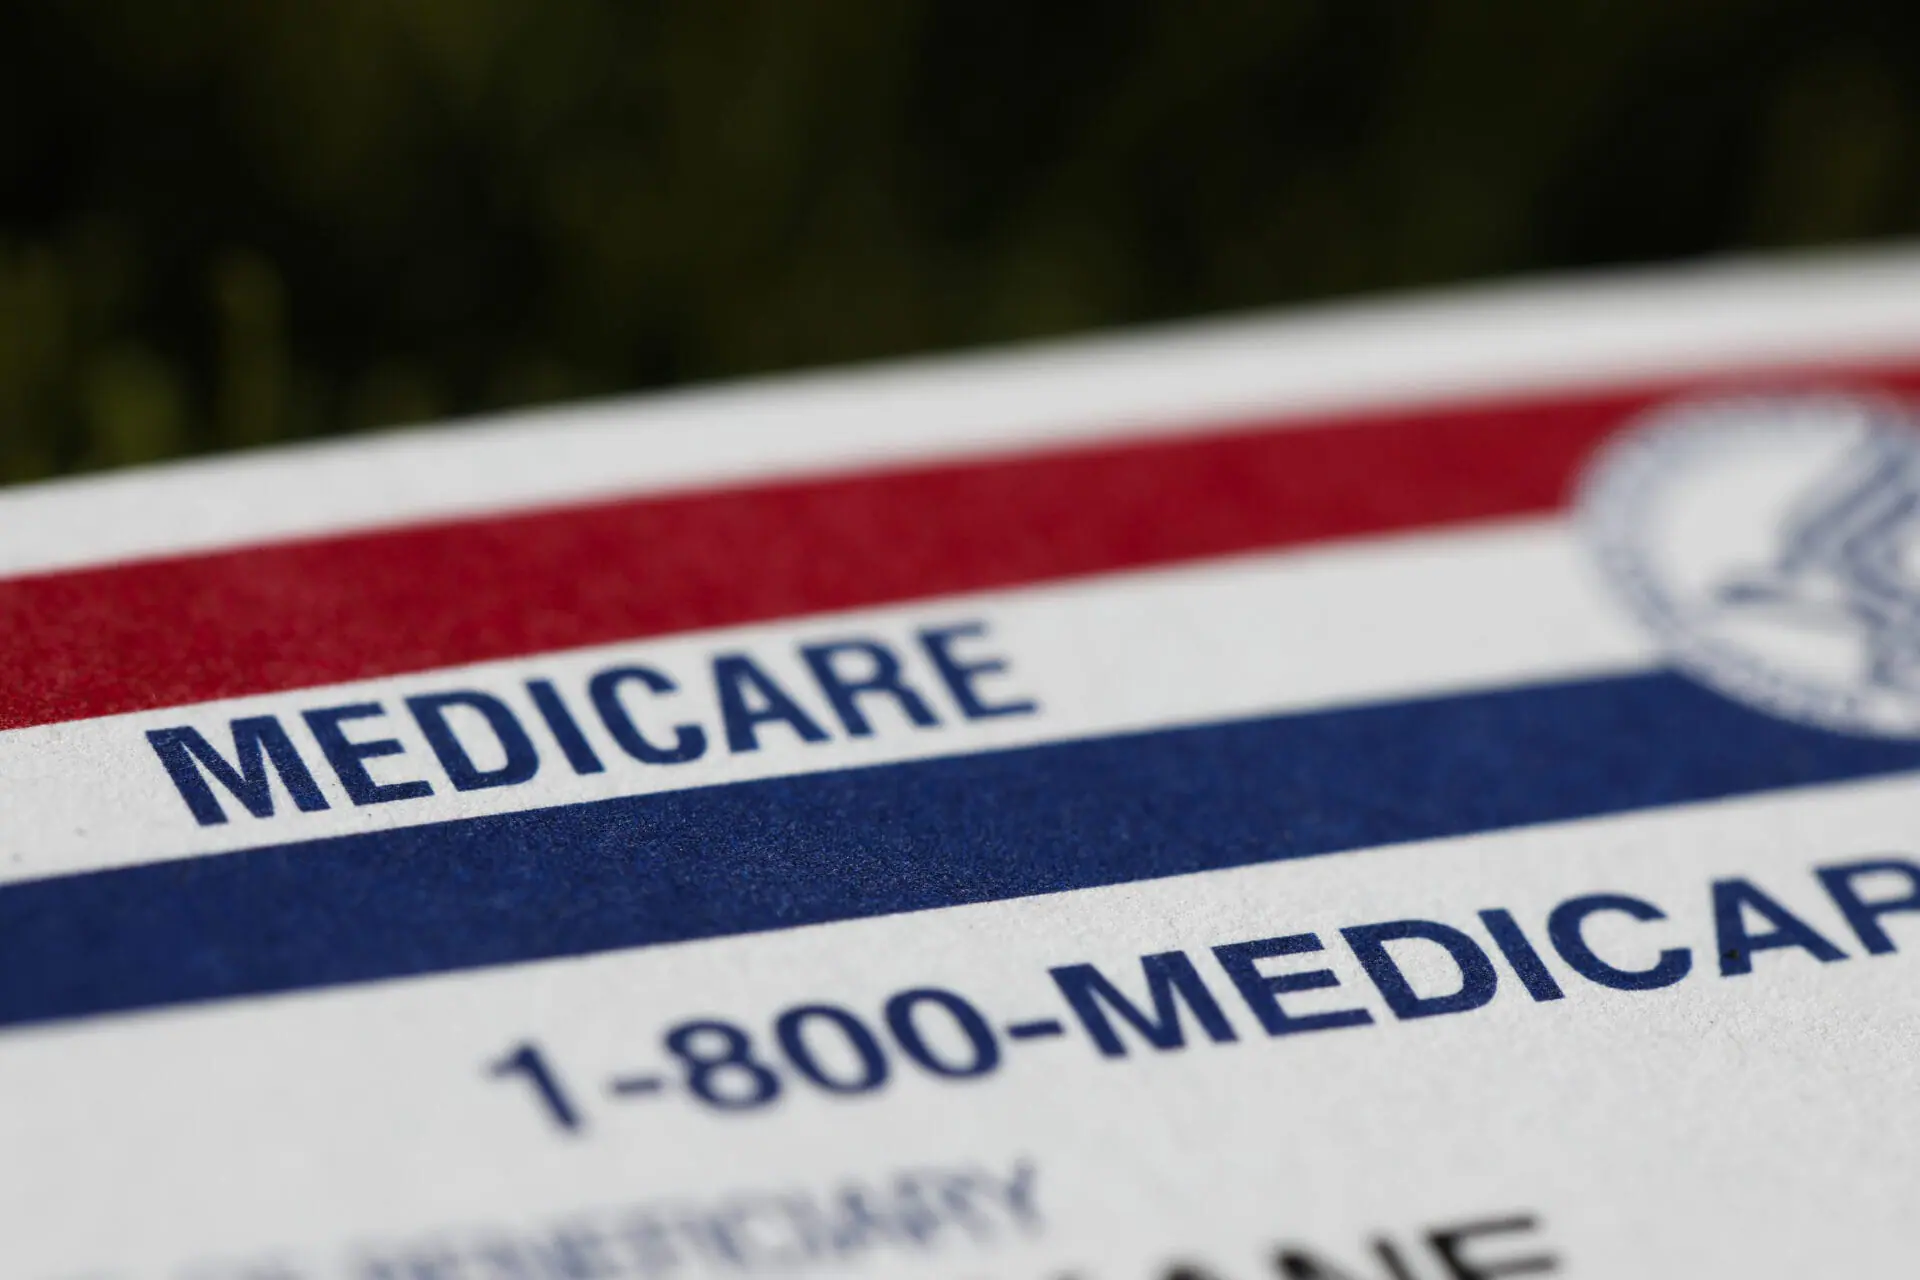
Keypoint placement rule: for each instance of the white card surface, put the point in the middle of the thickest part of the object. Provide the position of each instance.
(1415, 791)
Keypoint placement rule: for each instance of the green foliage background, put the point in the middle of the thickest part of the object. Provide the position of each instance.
(224, 222)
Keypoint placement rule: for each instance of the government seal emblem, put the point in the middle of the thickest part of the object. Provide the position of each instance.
(1773, 545)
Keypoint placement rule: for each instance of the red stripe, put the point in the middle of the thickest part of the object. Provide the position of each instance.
(320, 611)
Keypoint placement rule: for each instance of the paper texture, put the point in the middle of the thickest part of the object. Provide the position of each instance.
(1414, 791)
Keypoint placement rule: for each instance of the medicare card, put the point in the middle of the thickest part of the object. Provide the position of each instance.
(1419, 790)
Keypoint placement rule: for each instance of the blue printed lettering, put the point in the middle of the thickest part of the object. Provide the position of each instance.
(1732, 899)
(1262, 992)
(689, 740)
(1478, 980)
(1566, 925)
(740, 681)
(257, 741)
(960, 676)
(430, 713)
(565, 729)
(346, 756)
(1171, 978)
(1864, 915)
(882, 677)
(1526, 962)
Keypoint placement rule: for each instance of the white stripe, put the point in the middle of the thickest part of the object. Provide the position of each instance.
(1361, 622)
(1559, 334)
(1777, 1107)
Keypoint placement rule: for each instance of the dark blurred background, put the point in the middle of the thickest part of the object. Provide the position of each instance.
(225, 222)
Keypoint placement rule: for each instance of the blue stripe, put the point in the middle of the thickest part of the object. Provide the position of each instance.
(865, 842)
